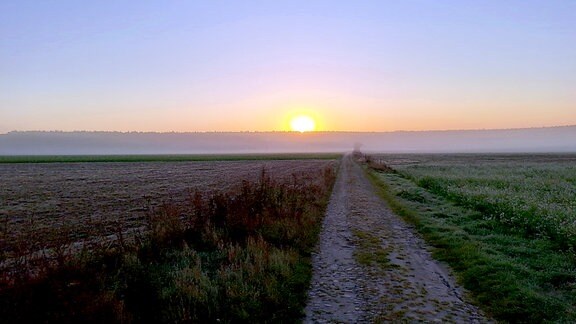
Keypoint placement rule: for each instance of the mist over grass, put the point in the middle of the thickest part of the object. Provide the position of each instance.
(551, 139)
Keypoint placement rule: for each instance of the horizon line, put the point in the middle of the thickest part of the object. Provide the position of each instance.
(286, 131)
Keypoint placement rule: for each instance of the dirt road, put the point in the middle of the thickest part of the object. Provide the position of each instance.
(371, 267)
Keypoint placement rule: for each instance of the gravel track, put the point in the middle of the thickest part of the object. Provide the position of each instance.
(406, 284)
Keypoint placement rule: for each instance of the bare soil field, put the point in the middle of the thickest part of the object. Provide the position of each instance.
(77, 201)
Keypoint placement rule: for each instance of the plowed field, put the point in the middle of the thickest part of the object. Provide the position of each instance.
(40, 203)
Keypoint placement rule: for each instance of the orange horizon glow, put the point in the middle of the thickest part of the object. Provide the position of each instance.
(369, 66)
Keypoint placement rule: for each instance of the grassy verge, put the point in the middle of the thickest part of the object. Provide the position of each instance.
(163, 158)
(514, 277)
(222, 257)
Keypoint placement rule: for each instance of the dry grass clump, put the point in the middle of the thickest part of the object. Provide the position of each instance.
(373, 162)
(228, 256)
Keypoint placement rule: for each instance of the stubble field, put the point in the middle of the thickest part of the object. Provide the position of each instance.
(160, 242)
(42, 202)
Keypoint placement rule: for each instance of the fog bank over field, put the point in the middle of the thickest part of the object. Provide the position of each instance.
(550, 139)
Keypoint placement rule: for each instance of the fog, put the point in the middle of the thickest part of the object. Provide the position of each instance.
(551, 139)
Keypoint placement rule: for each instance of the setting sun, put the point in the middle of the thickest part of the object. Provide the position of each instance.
(302, 124)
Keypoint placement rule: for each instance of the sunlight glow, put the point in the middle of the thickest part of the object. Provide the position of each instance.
(302, 124)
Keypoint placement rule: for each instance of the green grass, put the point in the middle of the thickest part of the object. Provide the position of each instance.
(517, 273)
(163, 158)
(534, 196)
(228, 257)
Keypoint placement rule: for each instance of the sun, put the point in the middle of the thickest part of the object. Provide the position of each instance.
(302, 123)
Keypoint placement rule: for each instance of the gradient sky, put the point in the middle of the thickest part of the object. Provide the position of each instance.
(249, 65)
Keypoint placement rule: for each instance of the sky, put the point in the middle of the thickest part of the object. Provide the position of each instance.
(190, 66)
